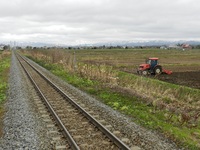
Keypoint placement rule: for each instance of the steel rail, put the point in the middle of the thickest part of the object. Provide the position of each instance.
(71, 141)
(110, 135)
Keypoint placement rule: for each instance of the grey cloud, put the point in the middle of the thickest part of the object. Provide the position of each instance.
(100, 20)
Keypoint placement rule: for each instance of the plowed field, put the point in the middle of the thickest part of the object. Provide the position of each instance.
(187, 78)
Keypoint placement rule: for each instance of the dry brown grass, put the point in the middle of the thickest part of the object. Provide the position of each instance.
(97, 71)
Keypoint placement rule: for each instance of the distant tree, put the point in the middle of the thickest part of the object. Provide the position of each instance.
(18, 47)
(179, 44)
(6, 47)
(198, 46)
(94, 47)
(28, 47)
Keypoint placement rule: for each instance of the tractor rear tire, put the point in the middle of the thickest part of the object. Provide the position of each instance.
(157, 70)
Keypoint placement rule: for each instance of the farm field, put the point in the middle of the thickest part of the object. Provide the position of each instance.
(184, 64)
(187, 78)
(110, 75)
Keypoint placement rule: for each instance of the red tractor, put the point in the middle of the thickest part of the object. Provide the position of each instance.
(152, 67)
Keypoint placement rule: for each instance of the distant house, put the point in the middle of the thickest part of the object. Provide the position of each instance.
(186, 46)
(174, 47)
(163, 47)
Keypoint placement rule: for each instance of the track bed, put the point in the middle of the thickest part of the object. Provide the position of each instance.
(85, 131)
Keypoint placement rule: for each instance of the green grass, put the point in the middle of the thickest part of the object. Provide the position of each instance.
(4, 68)
(133, 106)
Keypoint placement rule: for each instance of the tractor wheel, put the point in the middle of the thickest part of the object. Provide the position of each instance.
(158, 70)
(144, 72)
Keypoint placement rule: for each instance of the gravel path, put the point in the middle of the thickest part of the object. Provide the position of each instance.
(23, 128)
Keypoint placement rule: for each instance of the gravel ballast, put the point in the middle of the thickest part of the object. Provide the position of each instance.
(22, 127)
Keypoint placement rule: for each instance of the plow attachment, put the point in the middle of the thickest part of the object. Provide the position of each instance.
(167, 71)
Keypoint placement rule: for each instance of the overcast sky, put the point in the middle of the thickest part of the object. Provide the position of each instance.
(94, 21)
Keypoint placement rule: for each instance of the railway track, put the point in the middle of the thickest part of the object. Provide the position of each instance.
(78, 126)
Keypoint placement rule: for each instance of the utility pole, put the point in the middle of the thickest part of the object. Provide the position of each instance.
(10, 45)
(14, 48)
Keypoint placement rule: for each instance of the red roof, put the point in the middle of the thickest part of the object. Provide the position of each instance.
(186, 46)
(153, 58)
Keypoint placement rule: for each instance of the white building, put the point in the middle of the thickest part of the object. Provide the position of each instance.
(1, 47)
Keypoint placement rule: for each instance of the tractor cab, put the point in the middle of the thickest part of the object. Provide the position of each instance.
(150, 67)
(152, 62)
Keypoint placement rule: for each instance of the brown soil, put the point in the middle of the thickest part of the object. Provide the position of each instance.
(184, 76)
(188, 78)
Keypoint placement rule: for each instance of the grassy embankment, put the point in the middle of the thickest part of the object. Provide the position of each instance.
(169, 108)
(4, 70)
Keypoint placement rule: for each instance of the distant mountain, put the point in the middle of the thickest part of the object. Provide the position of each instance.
(35, 44)
(147, 43)
(118, 43)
